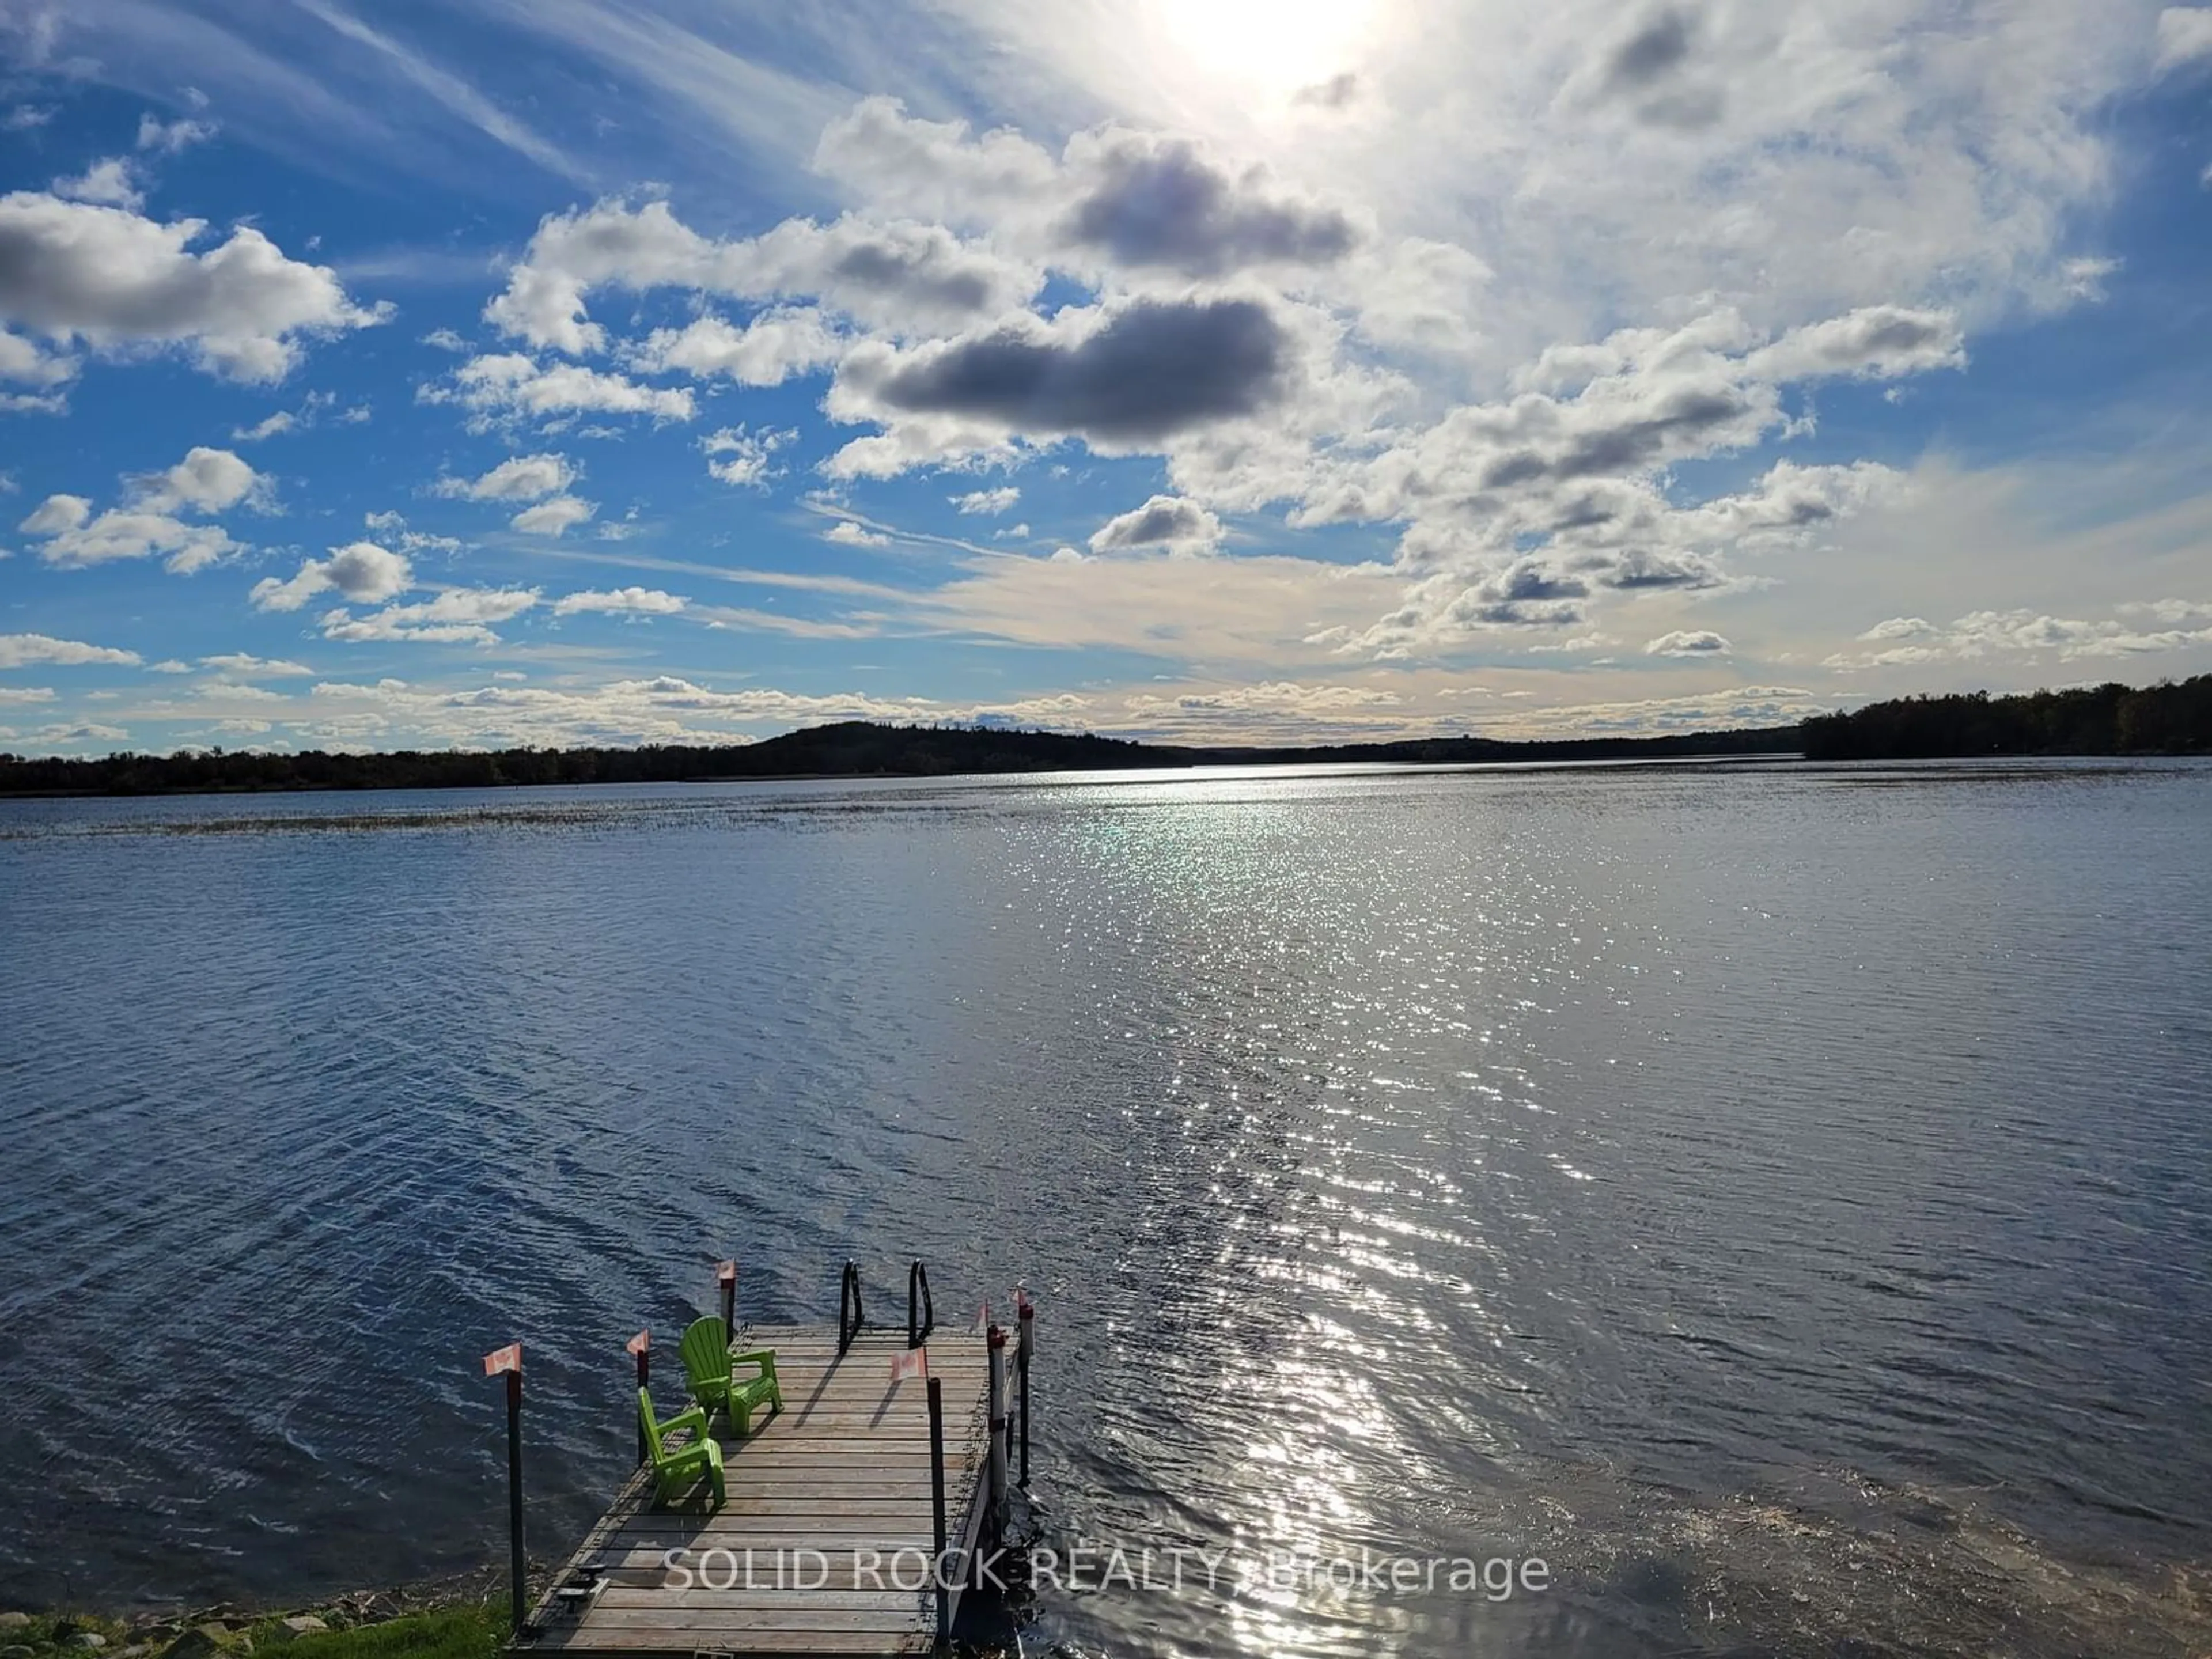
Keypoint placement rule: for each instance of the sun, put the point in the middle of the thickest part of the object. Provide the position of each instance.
(1275, 46)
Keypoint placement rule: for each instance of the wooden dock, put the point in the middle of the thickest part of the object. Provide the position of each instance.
(827, 1542)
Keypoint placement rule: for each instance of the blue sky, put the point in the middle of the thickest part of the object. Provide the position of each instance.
(575, 372)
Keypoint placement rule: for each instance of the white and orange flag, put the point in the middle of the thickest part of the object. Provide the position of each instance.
(914, 1362)
(509, 1358)
(726, 1272)
(983, 1320)
(641, 1342)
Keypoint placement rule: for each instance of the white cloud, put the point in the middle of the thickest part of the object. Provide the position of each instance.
(113, 182)
(846, 533)
(518, 478)
(666, 708)
(551, 517)
(22, 650)
(57, 514)
(205, 481)
(507, 387)
(1273, 697)
(119, 533)
(1179, 527)
(2184, 36)
(80, 737)
(1001, 499)
(167, 138)
(360, 571)
(105, 276)
(637, 601)
(1873, 343)
(1116, 199)
(1697, 642)
(767, 351)
(392, 527)
(268, 426)
(460, 616)
(2140, 629)
(894, 274)
(242, 666)
(22, 363)
(745, 456)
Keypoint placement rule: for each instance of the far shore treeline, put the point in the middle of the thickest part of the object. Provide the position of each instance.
(2101, 719)
(2105, 720)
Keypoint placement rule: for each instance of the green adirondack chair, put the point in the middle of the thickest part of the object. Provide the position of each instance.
(679, 1467)
(707, 1365)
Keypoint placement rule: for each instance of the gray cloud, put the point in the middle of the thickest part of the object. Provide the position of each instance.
(1160, 202)
(929, 268)
(1873, 343)
(1655, 49)
(1641, 570)
(1524, 594)
(1164, 521)
(1652, 70)
(1698, 642)
(1338, 92)
(1149, 371)
(901, 276)
(1619, 437)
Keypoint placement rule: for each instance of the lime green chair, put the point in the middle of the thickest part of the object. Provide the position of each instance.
(677, 1467)
(708, 1363)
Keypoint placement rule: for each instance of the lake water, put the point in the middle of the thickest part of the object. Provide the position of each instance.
(1780, 1198)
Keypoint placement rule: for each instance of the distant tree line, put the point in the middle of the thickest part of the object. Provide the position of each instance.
(2103, 720)
(2106, 720)
(850, 749)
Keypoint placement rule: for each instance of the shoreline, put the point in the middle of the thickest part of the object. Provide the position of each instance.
(376, 1605)
(457, 1616)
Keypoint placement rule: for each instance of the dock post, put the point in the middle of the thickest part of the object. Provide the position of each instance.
(937, 1493)
(921, 1309)
(641, 1346)
(509, 1359)
(515, 1567)
(998, 1342)
(725, 1275)
(1027, 1312)
(848, 1301)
